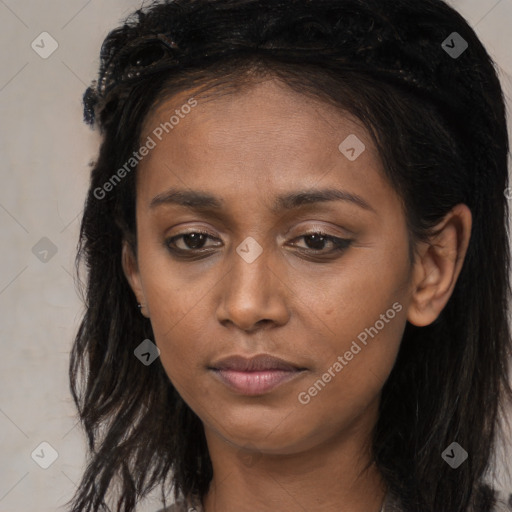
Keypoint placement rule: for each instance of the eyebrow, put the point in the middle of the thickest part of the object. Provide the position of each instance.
(202, 201)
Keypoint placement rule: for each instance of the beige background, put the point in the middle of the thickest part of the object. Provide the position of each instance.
(45, 151)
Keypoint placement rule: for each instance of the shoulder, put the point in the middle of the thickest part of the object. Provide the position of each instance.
(490, 500)
(501, 505)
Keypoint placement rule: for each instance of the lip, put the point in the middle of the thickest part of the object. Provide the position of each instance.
(256, 375)
(256, 363)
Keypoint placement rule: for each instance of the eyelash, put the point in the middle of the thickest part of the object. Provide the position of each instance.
(340, 244)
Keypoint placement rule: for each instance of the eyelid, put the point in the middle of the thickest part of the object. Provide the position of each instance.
(199, 231)
(340, 243)
(319, 228)
(313, 229)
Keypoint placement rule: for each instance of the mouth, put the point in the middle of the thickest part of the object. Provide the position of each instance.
(256, 375)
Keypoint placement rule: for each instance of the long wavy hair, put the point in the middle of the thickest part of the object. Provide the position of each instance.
(438, 121)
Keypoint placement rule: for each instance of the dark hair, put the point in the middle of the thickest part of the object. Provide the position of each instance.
(438, 122)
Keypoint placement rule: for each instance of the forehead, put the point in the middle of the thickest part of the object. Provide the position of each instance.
(261, 138)
(225, 116)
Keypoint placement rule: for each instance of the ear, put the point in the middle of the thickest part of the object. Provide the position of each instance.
(438, 265)
(131, 271)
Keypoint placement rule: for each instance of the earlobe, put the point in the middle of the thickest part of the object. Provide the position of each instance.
(438, 266)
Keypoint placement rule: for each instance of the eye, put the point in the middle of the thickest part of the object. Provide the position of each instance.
(194, 241)
(315, 241)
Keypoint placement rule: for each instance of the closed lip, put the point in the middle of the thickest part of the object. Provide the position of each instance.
(260, 362)
(256, 375)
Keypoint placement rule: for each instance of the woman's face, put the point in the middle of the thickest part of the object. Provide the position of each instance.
(277, 168)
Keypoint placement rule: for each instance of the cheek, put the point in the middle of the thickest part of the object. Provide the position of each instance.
(364, 312)
(170, 303)
(357, 361)
(171, 293)
(336, 308)
(351, 373)
(365, 287)
(176, 317)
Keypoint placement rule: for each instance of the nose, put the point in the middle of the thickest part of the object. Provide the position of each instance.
(254, 295)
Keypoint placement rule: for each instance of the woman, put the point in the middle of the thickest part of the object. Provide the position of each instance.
(306, 202)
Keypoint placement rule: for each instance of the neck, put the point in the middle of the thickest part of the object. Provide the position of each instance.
(336, 476)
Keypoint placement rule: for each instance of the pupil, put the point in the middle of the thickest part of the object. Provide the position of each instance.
(196, 238)
(196, 241)
(318, 239)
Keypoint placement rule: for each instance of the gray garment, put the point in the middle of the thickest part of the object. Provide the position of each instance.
(390, 505)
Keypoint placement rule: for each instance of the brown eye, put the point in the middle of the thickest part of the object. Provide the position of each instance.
(316, 242)
(192, 241)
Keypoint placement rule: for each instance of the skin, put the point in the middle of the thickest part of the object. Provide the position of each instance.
(271, 452)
